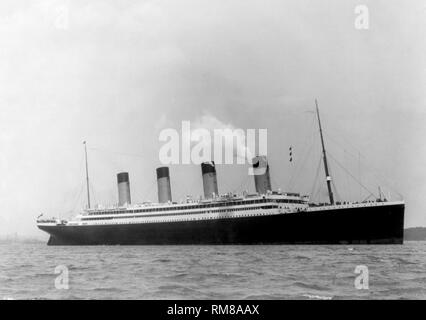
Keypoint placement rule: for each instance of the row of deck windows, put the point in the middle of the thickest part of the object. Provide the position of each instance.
(181, 213)
(198, 218)
(189, 207)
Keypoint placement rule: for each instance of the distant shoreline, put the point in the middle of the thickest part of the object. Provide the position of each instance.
(415, 234)
(18, 239)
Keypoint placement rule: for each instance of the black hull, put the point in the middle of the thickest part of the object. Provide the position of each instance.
(361, 225)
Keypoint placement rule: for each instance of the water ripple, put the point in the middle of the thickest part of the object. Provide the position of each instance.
(27, 271)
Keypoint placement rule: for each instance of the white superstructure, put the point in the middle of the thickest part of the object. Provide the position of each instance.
(223, 207)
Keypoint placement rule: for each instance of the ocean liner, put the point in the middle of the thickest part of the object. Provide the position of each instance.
(265, 217)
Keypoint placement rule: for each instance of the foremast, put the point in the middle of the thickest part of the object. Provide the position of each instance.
(324, 156)
(87, 176)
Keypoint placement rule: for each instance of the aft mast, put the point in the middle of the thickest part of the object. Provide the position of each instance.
(87, 176)
(327, 174)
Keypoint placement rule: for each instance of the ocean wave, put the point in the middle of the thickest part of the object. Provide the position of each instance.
(108, 289)
(310, 286)
(402, 261)
(317, 297)
(162, 260)
(302, 257)
(265, 297)
(207, 272)
(178, 275)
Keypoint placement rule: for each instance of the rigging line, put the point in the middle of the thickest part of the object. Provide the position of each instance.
(306, 157)
(183, 187)
(316, 177)
(306, 151)
(343, 179)
(333, 182)
(318, 191)
(309, 137)
(318, 186)
(92, 188)
(235, 190)
(248, 184)
(368, 197)
(322, 190)
(335, 191)
(346, 178)
(341, 135)
(195, 183)
(357, 149)
(274, 183)
(183, 190)
(303, 151)
(78, 192)
(224, 182)
(373, 169)
(77, 195)
(241, 185)
(338, 163)
(146, 195)
(329, 137)
(77, 200)
(359, 172)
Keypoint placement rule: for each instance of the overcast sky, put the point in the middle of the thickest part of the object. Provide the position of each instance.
(115, 73)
